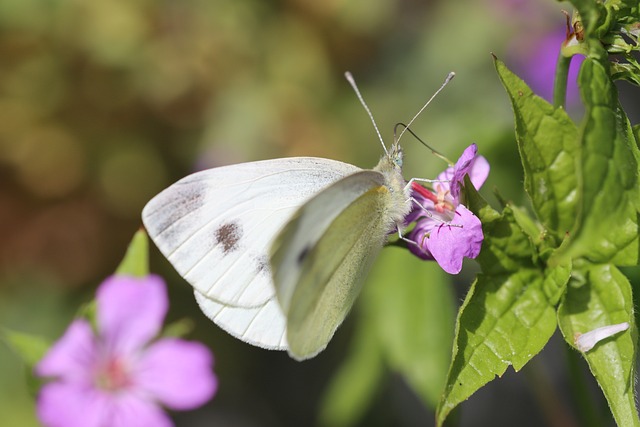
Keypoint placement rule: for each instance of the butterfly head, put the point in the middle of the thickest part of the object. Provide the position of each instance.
(391, 162)
(396, 155)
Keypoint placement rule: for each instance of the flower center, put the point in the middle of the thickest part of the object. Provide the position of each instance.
(442, 201)
(112, 375)
(443, 204)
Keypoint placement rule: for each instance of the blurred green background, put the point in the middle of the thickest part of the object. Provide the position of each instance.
(103, 103)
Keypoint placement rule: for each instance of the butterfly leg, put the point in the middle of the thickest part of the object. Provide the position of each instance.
(401, 237)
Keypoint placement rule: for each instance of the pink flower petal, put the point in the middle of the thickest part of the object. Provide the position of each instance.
(479, 171)
(70, 405)
(132, 410)
(444, 178)
(419, 235)
(449, 244)
(477, 167)
(466, 158)
(178, 373)
(63, 404)
(73, 356)
(130, 311)
(470, 164)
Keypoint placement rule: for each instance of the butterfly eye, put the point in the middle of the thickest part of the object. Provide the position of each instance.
(398, 157)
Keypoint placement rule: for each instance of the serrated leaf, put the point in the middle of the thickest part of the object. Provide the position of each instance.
(413, 311)
(506, 248)
(504, 320)
(548, 145)
(136, 260)
(527, 224)
(555, 281)
(604, 298)
(30, 348)
(606, 227)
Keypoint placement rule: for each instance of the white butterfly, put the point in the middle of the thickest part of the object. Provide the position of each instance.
(276, 250)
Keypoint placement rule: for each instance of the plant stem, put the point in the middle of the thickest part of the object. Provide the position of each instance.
(560, 83)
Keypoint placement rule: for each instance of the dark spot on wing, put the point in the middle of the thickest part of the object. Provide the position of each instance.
(262, 265)
(303, 255)
(228, 236)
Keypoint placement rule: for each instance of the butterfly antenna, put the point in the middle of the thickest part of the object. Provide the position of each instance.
(433, 150)
(450, 76)
(352, 82)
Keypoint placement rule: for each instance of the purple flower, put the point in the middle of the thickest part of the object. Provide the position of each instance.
(445, 229)
(118, 376)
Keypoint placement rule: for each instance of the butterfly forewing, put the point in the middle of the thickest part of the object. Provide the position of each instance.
(215, 226)
(322, 255)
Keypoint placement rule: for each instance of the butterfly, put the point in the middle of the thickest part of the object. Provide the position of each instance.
(276, 250)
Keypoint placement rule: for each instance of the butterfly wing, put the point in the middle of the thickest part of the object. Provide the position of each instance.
(263, 326)
(216, 227)
(322, 255)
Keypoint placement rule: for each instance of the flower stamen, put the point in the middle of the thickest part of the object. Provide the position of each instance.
(112, 375)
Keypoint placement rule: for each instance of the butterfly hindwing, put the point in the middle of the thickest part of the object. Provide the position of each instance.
(264, 326)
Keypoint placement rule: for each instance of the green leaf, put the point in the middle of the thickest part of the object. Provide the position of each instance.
(603, 297)
(178, 329)
(548, 145)
(606, 227)
(506, 247)
(555, 281)
(504, 320)
(527, 224)
(413, 311)
(136, 260)
(30, 348)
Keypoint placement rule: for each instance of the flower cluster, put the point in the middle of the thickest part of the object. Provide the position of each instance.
(445, 230)
(117, 375)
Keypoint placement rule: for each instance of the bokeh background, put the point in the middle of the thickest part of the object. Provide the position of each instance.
(103, 103)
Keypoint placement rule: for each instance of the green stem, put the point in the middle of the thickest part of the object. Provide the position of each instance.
(560, 84)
